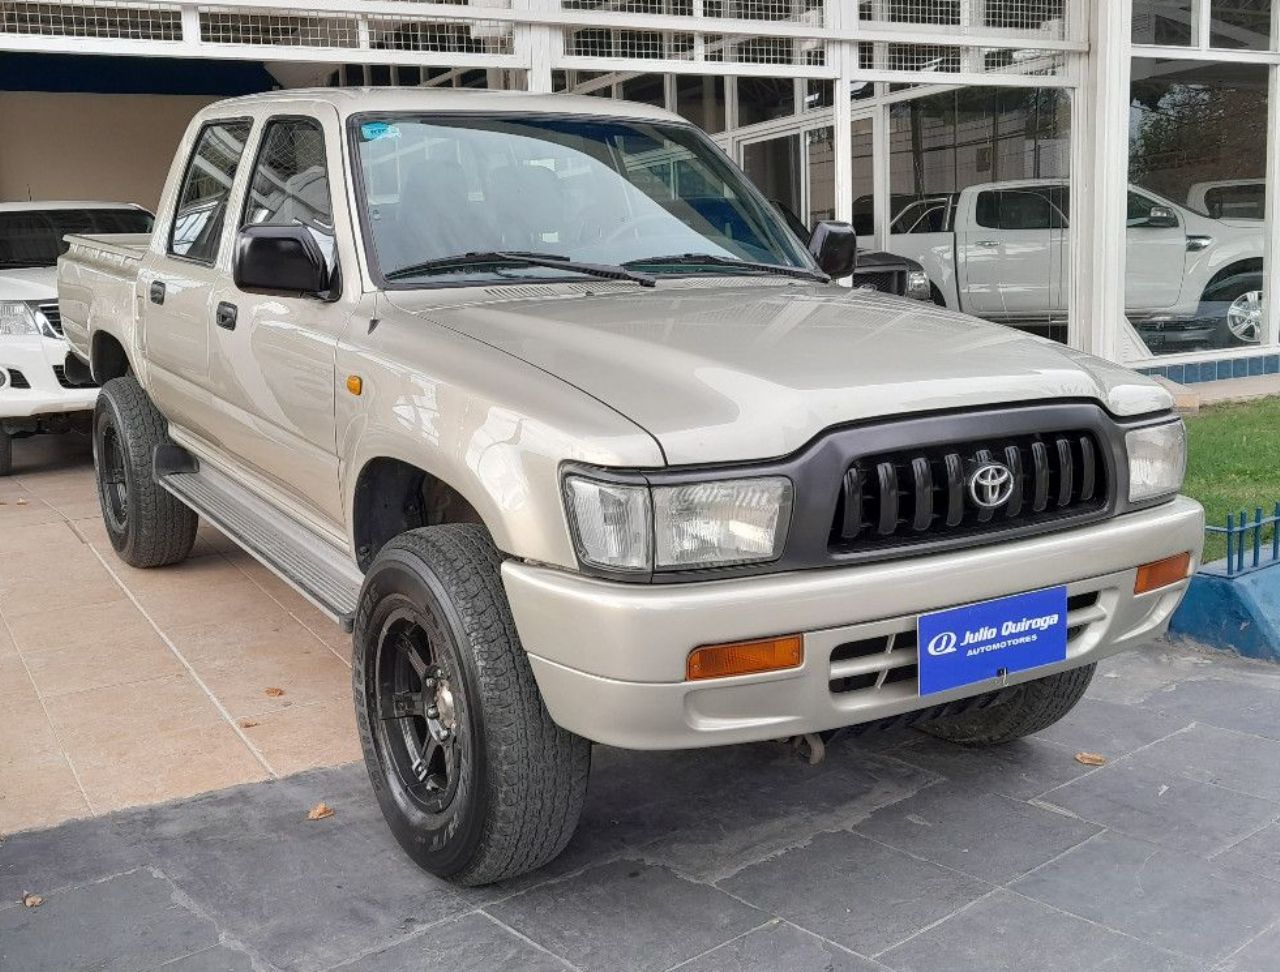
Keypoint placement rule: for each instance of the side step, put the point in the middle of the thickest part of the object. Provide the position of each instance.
(318, 570)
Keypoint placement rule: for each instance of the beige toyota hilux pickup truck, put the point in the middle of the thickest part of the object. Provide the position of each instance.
(540, 397)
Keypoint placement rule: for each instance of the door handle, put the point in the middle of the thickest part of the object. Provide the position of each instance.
(225, 316)
(156, 293)
(987, 243)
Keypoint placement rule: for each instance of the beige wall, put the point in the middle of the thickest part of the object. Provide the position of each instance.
(90, 146)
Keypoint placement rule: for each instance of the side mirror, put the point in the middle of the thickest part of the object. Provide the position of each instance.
(279, 260)
(1161, 217)
(835, 246)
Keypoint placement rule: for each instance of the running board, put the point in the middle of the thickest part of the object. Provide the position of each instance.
(314, 567)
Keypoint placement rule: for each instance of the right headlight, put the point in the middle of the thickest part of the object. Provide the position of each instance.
(16, 318)
(1157, 460)
(687, 526)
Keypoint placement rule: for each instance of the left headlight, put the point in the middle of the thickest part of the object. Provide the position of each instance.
(918, 285)
(17, 318)
(1157, 460)
(679, 527)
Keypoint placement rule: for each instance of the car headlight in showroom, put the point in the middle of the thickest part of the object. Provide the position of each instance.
(679, 527)
(918, 285)
(1157, 460)
(17, 318)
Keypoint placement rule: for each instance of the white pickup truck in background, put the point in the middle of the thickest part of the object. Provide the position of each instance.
(1001, 251)
(40, 390)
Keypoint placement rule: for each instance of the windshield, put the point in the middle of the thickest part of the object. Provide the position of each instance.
(604, 191)
(33, 237)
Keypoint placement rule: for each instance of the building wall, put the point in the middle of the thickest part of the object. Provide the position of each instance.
(113, 147)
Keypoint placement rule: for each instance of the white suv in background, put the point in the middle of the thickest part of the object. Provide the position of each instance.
(40, 389)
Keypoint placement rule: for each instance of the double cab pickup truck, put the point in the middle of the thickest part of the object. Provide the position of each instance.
(1001, 251)
(580, 457)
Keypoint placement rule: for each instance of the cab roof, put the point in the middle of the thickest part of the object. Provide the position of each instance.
(39, 205)
(353, 101)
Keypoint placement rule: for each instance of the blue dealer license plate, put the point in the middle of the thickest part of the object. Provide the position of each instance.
(976, 642)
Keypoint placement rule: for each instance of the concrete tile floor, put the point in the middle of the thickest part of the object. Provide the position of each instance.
(127, 687)
(898, 852)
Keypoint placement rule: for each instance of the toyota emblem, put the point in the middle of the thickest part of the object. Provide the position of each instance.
(991, 485)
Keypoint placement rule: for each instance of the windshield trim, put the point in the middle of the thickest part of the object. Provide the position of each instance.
(369, 253)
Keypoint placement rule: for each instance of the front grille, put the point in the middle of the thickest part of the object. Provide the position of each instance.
(17, 379)
(60, 373)
(51, 314)
(885, 281)
(923, 494)
(870, 664)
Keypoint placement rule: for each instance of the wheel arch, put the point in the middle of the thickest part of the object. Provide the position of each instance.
(107, 358)
(1236, 268)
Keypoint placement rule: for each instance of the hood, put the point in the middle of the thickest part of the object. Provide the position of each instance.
(726, 373)
(29, 283)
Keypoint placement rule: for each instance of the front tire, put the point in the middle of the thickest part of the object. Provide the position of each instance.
(475, 780)
(1033, 706)
(147, 526)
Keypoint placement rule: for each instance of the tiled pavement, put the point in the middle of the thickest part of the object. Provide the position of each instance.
(897, 852)
(125, 686)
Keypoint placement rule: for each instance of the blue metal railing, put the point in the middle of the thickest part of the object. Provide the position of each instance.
(1246, 550)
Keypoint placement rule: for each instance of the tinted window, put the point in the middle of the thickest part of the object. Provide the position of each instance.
(1021, 209)
(1139, 209)
(1240, 202)
(290, 183)
(202, 203)
(34, 238)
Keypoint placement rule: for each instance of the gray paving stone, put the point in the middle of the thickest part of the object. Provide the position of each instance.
(1258, 853)
(1110, 728)
(74, 853)
(782, 804)
(219, 958)
(472, 943)
(303, 894)
(992, 837)
(1260, 955)
(1163, 807)
(780, 947)
(626, 915)
(1226, 703)
(855, 891)
(1007, 933)
(1022, 769)
(128, 922)
(1170, 900)
(1238, 761)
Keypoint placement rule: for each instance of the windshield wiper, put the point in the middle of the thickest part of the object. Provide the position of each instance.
(689, 259)
(606, 271)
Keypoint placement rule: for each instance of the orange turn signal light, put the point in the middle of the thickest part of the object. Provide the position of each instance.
(1162, 573)
(745, 657)
(354, 384)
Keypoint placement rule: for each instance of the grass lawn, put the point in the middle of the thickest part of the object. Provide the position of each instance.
(1234, 463)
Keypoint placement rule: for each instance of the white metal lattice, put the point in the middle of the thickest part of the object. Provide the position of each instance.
(1043, 17)
(424, 34)
(776, 11)
(959, 58)
(114, 21)
(278, 28)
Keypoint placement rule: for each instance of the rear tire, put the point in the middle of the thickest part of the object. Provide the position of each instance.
(1034, 706)
(6, 453)
(147, 526)
(473, 777)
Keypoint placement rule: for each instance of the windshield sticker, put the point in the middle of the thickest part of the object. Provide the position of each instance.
(372, 131)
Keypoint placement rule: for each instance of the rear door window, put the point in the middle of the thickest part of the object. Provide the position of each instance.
(206, 188)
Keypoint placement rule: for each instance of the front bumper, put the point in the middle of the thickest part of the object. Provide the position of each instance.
(35, 358)
(609, 658)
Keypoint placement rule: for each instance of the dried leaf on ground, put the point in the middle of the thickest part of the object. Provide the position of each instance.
(246, 723)
(1091, 759)
(32, 900)
(274, 693)
(320, 811)
(21, 501)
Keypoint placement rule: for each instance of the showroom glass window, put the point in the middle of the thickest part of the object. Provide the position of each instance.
(290, 182)
(202, 201)
(1196, 232)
